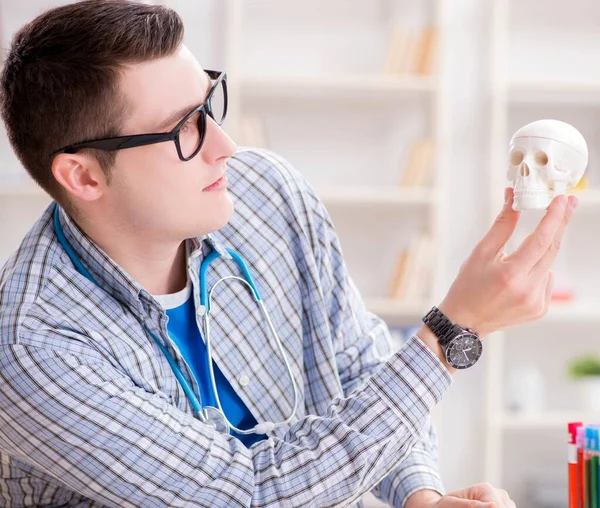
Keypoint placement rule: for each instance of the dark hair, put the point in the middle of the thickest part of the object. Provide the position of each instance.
(60, 80)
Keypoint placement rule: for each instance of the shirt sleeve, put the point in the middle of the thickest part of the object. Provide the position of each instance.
(418, 472)
(82, 420)
(362, 341)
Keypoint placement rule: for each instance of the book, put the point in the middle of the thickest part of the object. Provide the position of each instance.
(411, 51)
(412, 275)
(417, 281)
(396, 61)
(399, 273)
(425, 53)
(417, 170)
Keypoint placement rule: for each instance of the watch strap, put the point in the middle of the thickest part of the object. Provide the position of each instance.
(441, 326)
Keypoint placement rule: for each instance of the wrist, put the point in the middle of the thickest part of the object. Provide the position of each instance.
(423, 499)
(459, 317)
(431, 341)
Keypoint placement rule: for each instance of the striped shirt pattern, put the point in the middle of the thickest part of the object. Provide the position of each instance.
(92, 415)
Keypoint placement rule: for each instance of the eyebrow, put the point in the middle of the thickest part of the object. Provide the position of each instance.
(180, 113)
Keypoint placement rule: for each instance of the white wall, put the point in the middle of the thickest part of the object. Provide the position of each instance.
(466, 54)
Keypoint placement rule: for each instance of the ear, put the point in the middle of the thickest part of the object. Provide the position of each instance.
(80, 174)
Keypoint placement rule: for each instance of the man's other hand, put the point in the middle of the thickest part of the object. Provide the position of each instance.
(481, 495)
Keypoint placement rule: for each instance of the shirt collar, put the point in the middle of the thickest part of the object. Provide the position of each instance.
(109, 275)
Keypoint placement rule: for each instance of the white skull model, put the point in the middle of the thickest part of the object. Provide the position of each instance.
(547, 157)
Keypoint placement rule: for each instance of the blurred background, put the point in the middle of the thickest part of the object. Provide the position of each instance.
(399, 112)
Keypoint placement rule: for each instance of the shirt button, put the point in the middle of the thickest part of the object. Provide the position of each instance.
(201, 310)
(244, 380)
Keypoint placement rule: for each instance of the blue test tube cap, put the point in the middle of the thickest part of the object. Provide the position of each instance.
(589, 436)
(595, 445)
(592, 438)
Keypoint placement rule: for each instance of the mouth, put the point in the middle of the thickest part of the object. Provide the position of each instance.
(220, 184)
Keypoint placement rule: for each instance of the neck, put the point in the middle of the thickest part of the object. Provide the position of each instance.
(159, 266)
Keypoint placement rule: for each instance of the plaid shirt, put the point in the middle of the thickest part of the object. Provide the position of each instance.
(92, 415)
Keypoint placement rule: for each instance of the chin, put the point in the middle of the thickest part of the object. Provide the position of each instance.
(216, 214)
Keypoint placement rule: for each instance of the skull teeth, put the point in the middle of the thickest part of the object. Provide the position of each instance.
(531, 192)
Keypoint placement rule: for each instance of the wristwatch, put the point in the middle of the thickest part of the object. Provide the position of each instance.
(461, 346)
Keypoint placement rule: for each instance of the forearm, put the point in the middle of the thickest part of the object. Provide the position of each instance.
(362, 436)
(419, 472)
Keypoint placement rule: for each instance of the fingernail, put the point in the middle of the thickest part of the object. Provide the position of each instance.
(574, 202)
(562, 201)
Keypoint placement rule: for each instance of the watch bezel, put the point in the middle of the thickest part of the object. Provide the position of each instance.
(448, 345)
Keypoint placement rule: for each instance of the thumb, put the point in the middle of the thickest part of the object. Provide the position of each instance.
(504, 226)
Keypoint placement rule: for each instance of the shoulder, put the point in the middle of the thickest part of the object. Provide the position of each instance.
(267, 188)
(25, 275)
(259, 172)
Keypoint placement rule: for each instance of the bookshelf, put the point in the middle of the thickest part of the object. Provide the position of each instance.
(549, 420)
(369, 88)
(401, 313)
(401, 197)
(280, 95)
(526, 87)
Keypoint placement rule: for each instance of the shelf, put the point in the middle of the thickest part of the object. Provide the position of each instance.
(583, 92)
(388, 308)
(365, 87)
(546, 420)
(19, 185)
(576, 312)
(377, 196)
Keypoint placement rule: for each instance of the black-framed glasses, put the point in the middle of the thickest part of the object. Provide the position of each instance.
(188, 135)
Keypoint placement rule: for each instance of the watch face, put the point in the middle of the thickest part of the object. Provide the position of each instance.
(464, 351)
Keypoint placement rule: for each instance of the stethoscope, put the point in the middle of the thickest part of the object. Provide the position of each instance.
(214, 416)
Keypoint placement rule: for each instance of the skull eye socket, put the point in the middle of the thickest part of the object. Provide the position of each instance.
(516, 157)
(541, 158)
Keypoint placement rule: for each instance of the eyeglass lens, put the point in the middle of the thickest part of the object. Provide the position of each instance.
(192, 132)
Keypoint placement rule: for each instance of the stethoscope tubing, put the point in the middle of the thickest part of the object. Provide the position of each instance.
(205, 302)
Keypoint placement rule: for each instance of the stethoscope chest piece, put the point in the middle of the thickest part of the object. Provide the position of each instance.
(213, 417)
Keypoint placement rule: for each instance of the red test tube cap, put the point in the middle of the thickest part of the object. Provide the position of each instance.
(573, 426)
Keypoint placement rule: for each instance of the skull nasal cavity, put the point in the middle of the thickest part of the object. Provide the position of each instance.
(524, 170)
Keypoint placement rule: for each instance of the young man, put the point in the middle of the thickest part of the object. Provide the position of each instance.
(105, 358)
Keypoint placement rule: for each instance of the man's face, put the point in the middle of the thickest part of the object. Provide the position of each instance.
(152, 191)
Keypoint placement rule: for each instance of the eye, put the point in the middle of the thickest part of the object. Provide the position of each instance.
(516, 157)
(541, 158)
(187, 125)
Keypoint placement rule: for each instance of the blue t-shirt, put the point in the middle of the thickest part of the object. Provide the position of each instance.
(184, 331)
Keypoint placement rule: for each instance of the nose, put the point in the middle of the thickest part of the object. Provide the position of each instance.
(217, 144)
(524, 170)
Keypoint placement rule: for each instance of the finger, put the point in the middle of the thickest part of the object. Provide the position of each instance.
(548, 293)
(503, 227)
(537, 243)
(508, 502)
(455, 502)
(544, 264)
